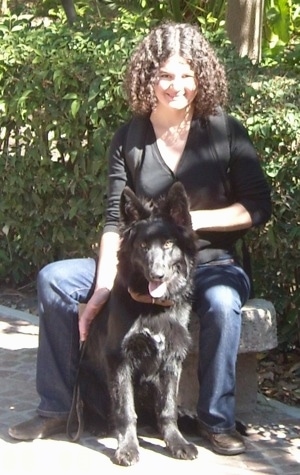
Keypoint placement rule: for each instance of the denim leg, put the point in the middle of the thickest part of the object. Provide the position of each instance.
(61, 286)
(220, 292)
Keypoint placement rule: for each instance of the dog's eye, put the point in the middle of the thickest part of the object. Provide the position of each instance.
(168, 244)
(143, 245)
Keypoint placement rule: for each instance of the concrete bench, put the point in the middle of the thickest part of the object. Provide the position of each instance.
(259, 334)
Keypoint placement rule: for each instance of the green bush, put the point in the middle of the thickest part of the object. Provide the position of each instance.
(62, 100)
(266, 100)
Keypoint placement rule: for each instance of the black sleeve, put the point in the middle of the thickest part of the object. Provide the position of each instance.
(248, 183)
(118, 178)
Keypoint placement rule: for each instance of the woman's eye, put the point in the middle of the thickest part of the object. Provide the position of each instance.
(165, 76)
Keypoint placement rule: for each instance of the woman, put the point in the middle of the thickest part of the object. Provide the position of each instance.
(174, 80)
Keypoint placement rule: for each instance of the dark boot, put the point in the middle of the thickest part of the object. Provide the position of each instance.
(38, 428)
(228, 443)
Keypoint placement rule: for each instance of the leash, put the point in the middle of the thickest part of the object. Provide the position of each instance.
(76, 411)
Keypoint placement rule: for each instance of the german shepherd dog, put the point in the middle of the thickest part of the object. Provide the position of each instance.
(133, 346)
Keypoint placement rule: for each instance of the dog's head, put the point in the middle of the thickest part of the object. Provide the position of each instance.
(174, 205)
(158, 243)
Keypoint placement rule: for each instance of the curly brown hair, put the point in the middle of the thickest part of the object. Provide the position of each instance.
(162, 42)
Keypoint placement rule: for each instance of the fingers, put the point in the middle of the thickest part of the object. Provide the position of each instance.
(92, 309)
(82, 331)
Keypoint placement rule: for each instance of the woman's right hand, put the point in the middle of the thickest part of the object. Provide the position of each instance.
(92, 308)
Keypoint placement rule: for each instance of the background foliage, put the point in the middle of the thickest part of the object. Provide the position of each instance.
(61, 102)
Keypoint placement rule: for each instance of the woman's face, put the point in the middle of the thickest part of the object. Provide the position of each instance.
(175, 86)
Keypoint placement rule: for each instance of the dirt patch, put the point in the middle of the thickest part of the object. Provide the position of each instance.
(279, 376)
(22, 298)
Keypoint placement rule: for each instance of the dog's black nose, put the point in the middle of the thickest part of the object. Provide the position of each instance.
(157, 276)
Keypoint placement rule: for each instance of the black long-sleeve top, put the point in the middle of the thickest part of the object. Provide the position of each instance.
(201, 177)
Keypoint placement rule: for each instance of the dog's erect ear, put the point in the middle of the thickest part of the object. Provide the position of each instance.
(177, 205)
(131, 208)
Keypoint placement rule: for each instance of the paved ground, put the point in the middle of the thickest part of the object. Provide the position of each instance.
(273, 443)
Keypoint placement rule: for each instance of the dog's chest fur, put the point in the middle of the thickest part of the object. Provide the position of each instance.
(155, 340)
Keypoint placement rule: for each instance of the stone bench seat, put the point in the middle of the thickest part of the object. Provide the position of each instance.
(259, 334)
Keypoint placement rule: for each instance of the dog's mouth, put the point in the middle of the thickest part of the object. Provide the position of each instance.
(157, 289)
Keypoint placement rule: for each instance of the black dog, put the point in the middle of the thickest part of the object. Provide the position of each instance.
(134, 346)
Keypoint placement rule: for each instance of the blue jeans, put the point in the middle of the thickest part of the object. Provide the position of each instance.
(60, 287)
(220, 292)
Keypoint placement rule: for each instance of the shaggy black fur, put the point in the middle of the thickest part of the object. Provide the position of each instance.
(135, 347)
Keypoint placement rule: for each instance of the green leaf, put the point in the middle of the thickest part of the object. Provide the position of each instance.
(70, 95)
(75, 106)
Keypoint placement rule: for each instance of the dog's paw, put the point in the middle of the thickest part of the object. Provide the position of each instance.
(126, 457)
(142, 345)
(184, 451)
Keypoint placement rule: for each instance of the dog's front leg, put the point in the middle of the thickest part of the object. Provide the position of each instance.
(166, 409)
(125, 418)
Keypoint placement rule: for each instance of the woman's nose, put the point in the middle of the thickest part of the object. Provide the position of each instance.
(176, 84)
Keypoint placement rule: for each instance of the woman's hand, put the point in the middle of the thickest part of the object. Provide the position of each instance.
(106, 273)
(91, 309)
